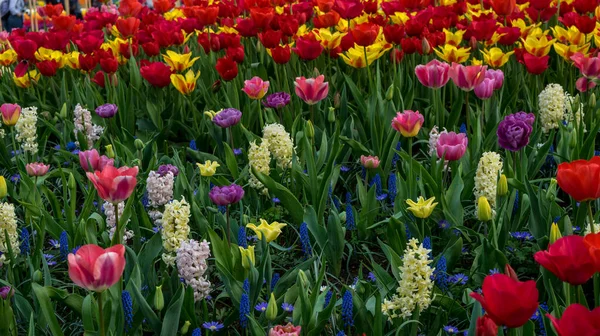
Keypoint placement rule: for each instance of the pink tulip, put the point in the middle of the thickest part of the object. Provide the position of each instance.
(370, 162)
(10, 114)
(467, 77)
(256, 88)
(497, 76)
(286, 330)
(36, 169)
(408, 123)
(95, 268)
(583, 84)
(114, 185)
(485, 89)
(451, 146)
(589, 66)
(311, 90)
(90, 160)
(433, 74)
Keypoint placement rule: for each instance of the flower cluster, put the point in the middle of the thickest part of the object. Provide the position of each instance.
(259, 158)
(191, 265)
(8, 224)
(82, 118)
(280, 144)
(27, 130)
(160, 188)
(486, 177)
(175, 227)
(109, 212)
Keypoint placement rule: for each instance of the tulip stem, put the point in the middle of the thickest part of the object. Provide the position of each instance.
(230, 137)
(591, 217)
(101, 314)
(467, 110)
(117, 236)
(410, 170)
(367, 67)
(228, 228)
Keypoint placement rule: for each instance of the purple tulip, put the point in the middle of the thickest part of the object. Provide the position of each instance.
(485, 89)
(524, 116)
(227, 118)
(497, 76)
(226, 195)
(451, 146)
(277, 100)
(107, 110)
(5, 292)
(513, 134)
(164, 169)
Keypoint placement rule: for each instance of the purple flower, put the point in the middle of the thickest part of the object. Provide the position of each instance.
(287, 307)
(5, 292)
(213, 326)
(226, 195)
(513, 134)
(227, 118)
(261, 307)
(237, 151)
(164, 169)
(497, 76)
(524, 116)
(107, 110)
(277, 100)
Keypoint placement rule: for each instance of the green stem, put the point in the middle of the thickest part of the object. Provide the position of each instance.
(591, 217)
(410, 172)
(117, 237)
(101, 314)
(228, 228)
(368, 70)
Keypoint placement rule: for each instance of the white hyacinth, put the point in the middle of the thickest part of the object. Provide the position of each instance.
(109, 212)
(486, 177)
(83, 124)
(27, 130)
(191, 265)
(160, 188)
(8, 224)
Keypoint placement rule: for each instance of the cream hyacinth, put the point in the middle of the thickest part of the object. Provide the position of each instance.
(8, 224)
(259, 157)
(175, 227)
(280, 144)
(486, 177)
(191, 265)
(415, 285)
(27, 130)
(160, 188)
(555, 106)
(83, 124)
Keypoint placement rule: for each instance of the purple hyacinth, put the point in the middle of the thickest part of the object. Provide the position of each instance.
(227, 118)
(107, 110)
(226, 195)
(277, 100)
(513, 134)
(164, 169)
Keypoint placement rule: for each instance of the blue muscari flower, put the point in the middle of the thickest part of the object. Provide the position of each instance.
(378, 188)
(350, 224)
(193, 145)
(242, 239)
(371, 277)
(222, 209)
(451, 329)
(329, 193)
(145, 200)
(408, 234)
(596, 153)
(340, 333)
(576, 228)
(57, 147)
(336, 203)
(443, 224)
(347, 308)
(463, 128)
(427, 245)
(396, 156)
(261, 307)
(440, 275)
(274, 280)
(345, 169)
(556, 219)
(213, 326)
(327, 298)
(75, 249)
(127, 309)
(24, 241)
(305, 240)
(75, 151)
(287, 307)
(516, 204)
(459, 279)
(71, 146)
(64, 245)
(363, 172)
(244, 310)
(276, 200)
(246, 286)
(392, 191)
(197, 332)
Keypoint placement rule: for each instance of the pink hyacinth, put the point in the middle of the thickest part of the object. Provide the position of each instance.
(90, 160)
(451, 146)
(311, 90)
(467, 77)
(36, 169)
(433, 74)
(408, 123)
(256, 88)
(370, 162)
(286, 330)
(485, 89)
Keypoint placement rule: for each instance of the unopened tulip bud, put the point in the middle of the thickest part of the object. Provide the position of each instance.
(159, 299)
(38, 277)
(473, 43)
(337, 100)
(484, 211)
(425, 46)
(573, 140)
(389, 95)
(139, 144)
(331, 114)
(216, 86)
(592, 101)
(551, 192)
(502, 186)
(109, 151)
(576, 104)
(508, 270)
(554, 233)
(186, 327)
(3, 188)
(342, 216)
(310, 130)
(303, 279)
(63, 111)
(272, 308)
(71, 181)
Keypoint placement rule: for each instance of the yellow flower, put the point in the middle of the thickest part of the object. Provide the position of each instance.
(566, 51)
(25, 81)
(399, 18)
(447, 2)
(3, 188)
(174, 14)
(355, 56)
(572, 36)
(303, 30)
(554, 233)
(450, 53)
(186, 84)
(475, 61)
(523, 27)
(228, 30)
(538, 47)
(71, 59)
(421, 208)
(8, 57)
(247, 254)
(495, 57)
(209, 168)
(271, 231)
(43, 54)
(454, 38)
(179, 62)
(484, 210)
(328, 39)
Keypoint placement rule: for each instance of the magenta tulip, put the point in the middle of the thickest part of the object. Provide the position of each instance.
(90, 160)
(95, 268)
(408, 123)
(467, 77)
(451, 146)
(485, 89)
(256, 88)
(311, 90)
(114, 185)
(433, 74)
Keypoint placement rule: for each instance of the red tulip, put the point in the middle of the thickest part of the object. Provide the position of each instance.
(95, 268)
(128, 27)
(592, 242)
(262, 17)
(486, 327)
(348, 9)
(588, 66)
(227, 68)
(208, 16)
(53, 10)
(87, 62)
(577, 320)
(99, 79)
(535, 65)
(25, 49)
(64, 22)
(163, 6)
(507, 301)
(156, 73)
(47, 68)
(130, 8)
(580, 179)
(503, 7)
(270, 38)
(308, 49)
(365, 34)
(114, 185)
(151, 49)
(326, 20)
(325, 5)
(569, 259)
(235, 53)
(584, 84)
(281, 55)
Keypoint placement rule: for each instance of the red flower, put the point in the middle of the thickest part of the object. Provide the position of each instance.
(53, 10)
(270, 38)
(208, 16)
(156, 73)
(577, 320)
(130, 8)
(326, 20)
(348, 9)
(308, 49)
(507, 301)
(87, 62)
(592, 242)
(47, 68)
(90, 42)
(535, 65)
(510, 35)
(504, 7)
(246, 27)
(236, 54)
(108, 62)
(99, 79)
(486, 327)
(281, 55)
(288, 24)
(585, 6)
(151, 49)
(585, 24)
(25, 49)
(163, 6)
(396, 55)
(365, 34)
(95, 268)
(128, 27)
(63, 22)
(580, 179)
(262, 17)
(227, 68)
(393, 33)
(569, 259)
(114, 185)
(325, 5)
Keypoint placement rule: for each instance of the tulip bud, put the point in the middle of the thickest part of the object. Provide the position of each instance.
(554, 233)
(159, 299)
(186, 327)
(63, 111)
(576, 104)
(502, 185)
(342, 216)
(272, 308)
(310, 130)
(484, 211)
(216, 86)
(139, 144)
(109, 151)
(508, 270)
(473, 43)
(38, 277)
(331, 114)
(573, 139)
(592, 101)
(337, 100)
(389, 95)
(551, 192)
(303, 279)
(425, 46)
(71, 182)
(3, 188)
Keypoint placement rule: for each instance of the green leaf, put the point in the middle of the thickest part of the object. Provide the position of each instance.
(143, 305)
(289, 201)
(453, 208)
(171, 322)
(47, 309)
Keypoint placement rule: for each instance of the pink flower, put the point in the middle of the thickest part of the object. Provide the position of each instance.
(408, 123)
(286, 330)
(114, 185)
(433, 74)
(256, 88)
(36, 169)
(10, 113)
(497, 76)
(90, 160)
(485, 89)
(583, 84)
(95, 268)
(311, 90)
(589, 66)
(370, 162)
(451, 146)
(467, 77)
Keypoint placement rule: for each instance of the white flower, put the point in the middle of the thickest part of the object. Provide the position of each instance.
(486, 177)
(191, 265)
(280, 144)
(27, 130)
(83, 124)
(8, 226)
(109, 212)
(160, 188)
(259, 157)
(175, 227)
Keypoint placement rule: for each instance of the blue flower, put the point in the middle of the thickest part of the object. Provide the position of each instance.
(244, 310)
(74, 251)
(392, 190)
(396, 156)
(127, 309)
(371, 277)
(15, 178)
(54, 243)
(494, 271)
(347, 309)
(427, 245)
(336, 203)
(462, 128)
(327, 298)
(440, 275)
(213, 326)
(145, 200)
(246, 286)
(287, 307)
(49, 260)
(458, 279)
(345, 169)
(71, 146)
(516, 203)
(261, 307)
(522, 236)
(222, 209)
(57, 147)
(274, 280)
(443, 224)
(276, 200)
(64, 245)
(24, 241)
(340, 333)
(451, 329)
(197, 332)
(237, 151)
(305, 240)
(193, 145)
(242, 239)
(350, 224)
(408, 234)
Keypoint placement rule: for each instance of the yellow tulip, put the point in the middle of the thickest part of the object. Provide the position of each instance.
(8, 57)
(248, 259)
(566, 51)
(209, 168)
(355, 56)
(454, 38)
(484, 210)
(25, 81)
(452, 54)
(3, 188)
(271, 231)
(502, 185)
(329, 40)
(421, 208)
(571, 36)
(523, 27)
(554, 233)
(174, 15)
(186, 84)
(71, 59)
(179, 62)
(397, 18)
(538, 46)
(495, 57)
